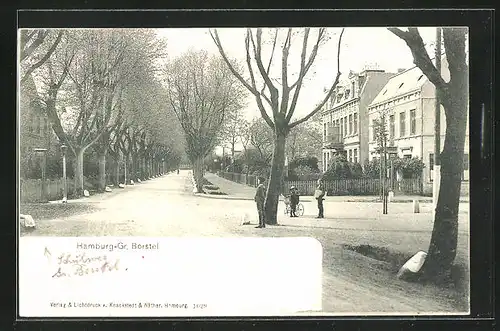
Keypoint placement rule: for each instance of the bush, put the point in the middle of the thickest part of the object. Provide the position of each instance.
(411, 168)
(309, 162)
(340, 168)
(302, 171)
(356, 170)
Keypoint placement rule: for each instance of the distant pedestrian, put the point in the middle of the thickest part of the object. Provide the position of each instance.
(177, 170)
(294, 201)
(260, 196)
(319, 194)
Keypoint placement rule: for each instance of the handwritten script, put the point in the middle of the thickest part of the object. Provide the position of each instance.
(69, 265)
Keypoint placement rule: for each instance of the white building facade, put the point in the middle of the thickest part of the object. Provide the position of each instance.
(408, 102)
(345, 116)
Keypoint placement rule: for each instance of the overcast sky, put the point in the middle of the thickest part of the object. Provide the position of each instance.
(360, 46)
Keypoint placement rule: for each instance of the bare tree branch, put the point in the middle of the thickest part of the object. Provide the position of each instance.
(332, 88)
(257, 47)
(421, 58)
(284, 72)
(44, 58)
(27, 51)
(252, 89)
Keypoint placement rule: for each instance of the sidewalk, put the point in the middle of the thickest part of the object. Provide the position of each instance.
(243, 192)
(233, 190)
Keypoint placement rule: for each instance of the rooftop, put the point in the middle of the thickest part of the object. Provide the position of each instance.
(401, 83)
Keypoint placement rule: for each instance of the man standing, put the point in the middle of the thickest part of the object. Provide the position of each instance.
(320, 196)
(294, 201)
(260, 196)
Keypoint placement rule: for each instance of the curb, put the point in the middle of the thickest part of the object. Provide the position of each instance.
(232, 197)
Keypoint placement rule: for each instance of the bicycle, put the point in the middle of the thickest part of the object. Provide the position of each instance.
(299, 210)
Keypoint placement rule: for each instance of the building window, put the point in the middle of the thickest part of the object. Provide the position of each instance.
(431, 161)
(402, 124)
(331, 118)
(353, 89)
(355, 155)
(350, 124)
(345, 126)
(374, 132)
(350, 155)
(391, 127)
(355, 116)
(413, 122)
(342, 127)
(325, 166)
(324, 131)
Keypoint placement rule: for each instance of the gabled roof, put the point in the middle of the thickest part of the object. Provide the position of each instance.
(402, 83)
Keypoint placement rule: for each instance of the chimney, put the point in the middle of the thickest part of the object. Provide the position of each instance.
(400, 70)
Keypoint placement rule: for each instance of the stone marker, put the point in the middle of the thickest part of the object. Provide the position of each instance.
(27, 221)
(390, 196)
(245, 219)
(121, 185)
(416, 206)
(139, 180)
(86, 193)
(409, 270)
(64, 200)
(132, 182)
(107, 189)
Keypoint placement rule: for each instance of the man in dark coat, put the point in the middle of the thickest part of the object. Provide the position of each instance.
(320, 196)
(260, 196)
(294, 201)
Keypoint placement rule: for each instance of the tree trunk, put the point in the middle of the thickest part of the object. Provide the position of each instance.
(151, 164)
(274, 183)
(102, 170)
(198, 174)
(117, 172)
(443, 244)
(79, 182)
(133, 170)
(125, 179)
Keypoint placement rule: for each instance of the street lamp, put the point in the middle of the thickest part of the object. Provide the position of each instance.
(44, 164)
(65, 187)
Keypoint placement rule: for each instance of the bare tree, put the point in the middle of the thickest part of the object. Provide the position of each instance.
(453, 96)
(202, 92)
(283, 107)
(306, 140)
(88, 68)
(261, 138)
(232, 130)
(36, 47)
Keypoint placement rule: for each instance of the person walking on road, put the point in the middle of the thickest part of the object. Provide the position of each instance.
(319, 194)
(260, 196)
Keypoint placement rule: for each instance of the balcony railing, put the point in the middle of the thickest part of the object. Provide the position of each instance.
(333, 138)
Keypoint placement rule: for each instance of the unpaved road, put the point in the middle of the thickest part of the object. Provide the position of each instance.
(352, 283)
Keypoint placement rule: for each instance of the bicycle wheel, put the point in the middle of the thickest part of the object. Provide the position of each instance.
(300, 209)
